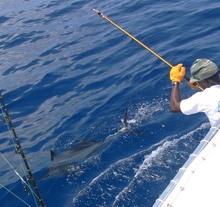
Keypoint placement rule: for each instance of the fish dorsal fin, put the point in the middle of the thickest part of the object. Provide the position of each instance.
(52, 155)
(125, 118)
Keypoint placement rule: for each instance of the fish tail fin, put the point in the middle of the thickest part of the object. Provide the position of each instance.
(125, 120)
(52, 155)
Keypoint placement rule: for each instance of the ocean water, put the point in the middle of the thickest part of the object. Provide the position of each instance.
(68, 75)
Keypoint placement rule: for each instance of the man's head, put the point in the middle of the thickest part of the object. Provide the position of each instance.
(204, 72)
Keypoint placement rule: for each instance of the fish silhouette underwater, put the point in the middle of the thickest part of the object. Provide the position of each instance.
(80, 152)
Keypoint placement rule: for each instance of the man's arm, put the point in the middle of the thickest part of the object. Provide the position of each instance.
(175, 98)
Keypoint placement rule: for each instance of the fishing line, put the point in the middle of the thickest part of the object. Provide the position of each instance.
(12, 167)
(24, 183)
(135, 39)
(15, 195)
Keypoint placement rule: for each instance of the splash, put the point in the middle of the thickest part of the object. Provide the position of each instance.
(147, 110)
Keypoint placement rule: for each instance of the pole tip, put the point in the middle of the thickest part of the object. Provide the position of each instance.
(97, 12)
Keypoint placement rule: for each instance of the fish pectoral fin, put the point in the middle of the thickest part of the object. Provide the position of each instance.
(125, 120)
(52, 155)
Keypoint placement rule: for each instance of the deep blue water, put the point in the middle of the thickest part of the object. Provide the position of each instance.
(68, 74)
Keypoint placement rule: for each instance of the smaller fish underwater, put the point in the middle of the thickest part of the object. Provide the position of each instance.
(80, 152)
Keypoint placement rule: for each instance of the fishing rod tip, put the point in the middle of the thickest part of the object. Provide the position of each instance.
(97, 11)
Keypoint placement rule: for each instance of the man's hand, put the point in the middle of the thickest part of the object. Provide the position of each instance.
(193, 87)
(177, 73)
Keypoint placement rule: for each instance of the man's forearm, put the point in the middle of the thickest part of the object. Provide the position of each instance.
(175, 98)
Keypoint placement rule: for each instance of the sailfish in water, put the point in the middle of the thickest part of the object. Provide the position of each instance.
(80, 152)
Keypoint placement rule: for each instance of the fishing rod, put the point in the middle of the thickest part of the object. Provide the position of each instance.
(135, 39)
(18, 148)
